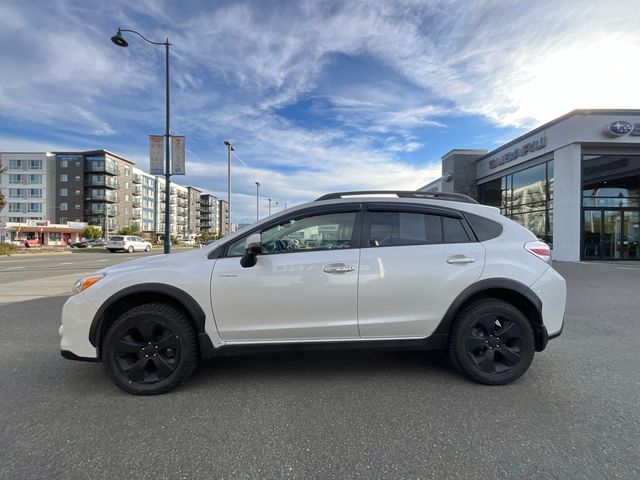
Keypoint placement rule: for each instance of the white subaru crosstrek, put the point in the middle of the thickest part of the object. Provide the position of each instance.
(408, 270)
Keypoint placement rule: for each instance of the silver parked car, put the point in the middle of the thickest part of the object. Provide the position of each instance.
(128, 243)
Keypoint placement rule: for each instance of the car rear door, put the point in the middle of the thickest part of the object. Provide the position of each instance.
(414, 262)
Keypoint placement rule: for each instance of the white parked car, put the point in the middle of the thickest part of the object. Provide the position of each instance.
(128, 243)
(419, 270)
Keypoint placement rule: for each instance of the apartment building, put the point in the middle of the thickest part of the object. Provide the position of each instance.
(223, 216)
(96, 187)
(27, 185)
(209, 219)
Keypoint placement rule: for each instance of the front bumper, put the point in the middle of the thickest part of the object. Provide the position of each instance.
(77, 314)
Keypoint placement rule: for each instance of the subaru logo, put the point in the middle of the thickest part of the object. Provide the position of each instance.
(620, 127)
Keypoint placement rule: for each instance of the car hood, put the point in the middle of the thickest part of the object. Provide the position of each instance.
(172, 261)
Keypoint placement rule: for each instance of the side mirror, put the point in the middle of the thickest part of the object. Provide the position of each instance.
(252, 248)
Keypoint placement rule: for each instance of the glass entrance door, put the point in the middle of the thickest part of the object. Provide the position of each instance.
(611, 234)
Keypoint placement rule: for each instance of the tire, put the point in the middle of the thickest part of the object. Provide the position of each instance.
(130, 249)
(111, 250)
(147, 248)
(150, 349)
(492, 342)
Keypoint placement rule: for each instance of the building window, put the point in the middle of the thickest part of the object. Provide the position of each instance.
(64, 207)
(63, 219)
(15, 193)
(15, 164)
(64, 177)
(35, 178)
(525, 197)
(64, 192)
(15, 207)
(35, 207)
(610, 181)
(35, 193)
(78, 192)
(64, 163)
(77, 207)
(126, 185)
(127, 171)
(35, 164)
(15, 178)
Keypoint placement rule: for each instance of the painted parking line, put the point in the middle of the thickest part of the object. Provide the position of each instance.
(66, 263)
(13, 268)
(104, 260)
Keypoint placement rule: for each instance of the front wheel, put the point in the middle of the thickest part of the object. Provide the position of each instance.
(150, 349)
(147, 248)
(492, 342)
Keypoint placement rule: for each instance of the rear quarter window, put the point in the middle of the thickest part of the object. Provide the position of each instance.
(484, 228)
(116, 239)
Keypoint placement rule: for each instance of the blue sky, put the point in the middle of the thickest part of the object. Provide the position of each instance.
(316, 95)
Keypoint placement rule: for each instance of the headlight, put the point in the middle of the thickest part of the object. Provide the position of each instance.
(85, 282)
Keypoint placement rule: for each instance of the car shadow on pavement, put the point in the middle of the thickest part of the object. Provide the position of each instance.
(325, 366)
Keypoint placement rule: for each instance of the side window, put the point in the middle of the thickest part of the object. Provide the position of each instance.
(318, 232)
(484, 228)
(403, 228)
(453, 231)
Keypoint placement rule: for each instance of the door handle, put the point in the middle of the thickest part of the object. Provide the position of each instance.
(460, 259)
(338, 268)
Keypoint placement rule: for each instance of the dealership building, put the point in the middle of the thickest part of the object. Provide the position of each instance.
(574, 182)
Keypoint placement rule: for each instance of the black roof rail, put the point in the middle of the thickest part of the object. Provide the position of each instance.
(455, 197)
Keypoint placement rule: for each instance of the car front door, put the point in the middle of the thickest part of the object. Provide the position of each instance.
(303, 286)
(414, 262)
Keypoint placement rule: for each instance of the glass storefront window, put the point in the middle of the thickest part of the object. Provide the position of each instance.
(526, 197)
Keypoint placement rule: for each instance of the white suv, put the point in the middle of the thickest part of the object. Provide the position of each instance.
(128, 243)
(417, 271)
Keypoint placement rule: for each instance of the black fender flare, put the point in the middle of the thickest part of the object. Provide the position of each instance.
(180, 296)
(485, 285)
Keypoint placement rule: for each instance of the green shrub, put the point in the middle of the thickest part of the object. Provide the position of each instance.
(7, 248)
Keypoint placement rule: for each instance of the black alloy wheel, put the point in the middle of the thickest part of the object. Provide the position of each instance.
(150, 349)
(148, 352)
(492, 342)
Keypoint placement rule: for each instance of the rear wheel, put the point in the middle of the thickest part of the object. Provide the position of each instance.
(492, 342)
(150, 349)
(130, 249)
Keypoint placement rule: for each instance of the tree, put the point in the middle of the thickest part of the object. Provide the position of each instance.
(92, 232)
(129, 230)
(3, 202)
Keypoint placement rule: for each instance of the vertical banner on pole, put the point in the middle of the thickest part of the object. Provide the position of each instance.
(177, 155)
(156, 154)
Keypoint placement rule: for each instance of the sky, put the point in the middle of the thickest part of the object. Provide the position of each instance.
(317, 96)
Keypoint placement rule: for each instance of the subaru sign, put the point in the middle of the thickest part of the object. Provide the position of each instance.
(619, 128)
(521, 151)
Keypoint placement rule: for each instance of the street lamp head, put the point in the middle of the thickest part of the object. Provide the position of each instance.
(229, 144)
(119, 40)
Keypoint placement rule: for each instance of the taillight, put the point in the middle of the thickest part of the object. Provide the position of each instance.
(540, 250)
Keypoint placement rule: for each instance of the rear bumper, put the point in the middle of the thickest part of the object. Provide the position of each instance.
(551, 289)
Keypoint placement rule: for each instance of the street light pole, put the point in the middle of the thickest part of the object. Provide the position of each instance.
(119, 40)
(229, 150)
(269, 207)
(257, 201)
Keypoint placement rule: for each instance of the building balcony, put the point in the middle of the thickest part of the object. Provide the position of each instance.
(136, 214)
(102, 167)
(182, 202)
(101, 195)
(137, 190)
(101, 181)
(136, 178)
(136, 203)
(182, 194)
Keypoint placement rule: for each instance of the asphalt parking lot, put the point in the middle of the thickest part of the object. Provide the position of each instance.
(365, 415)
